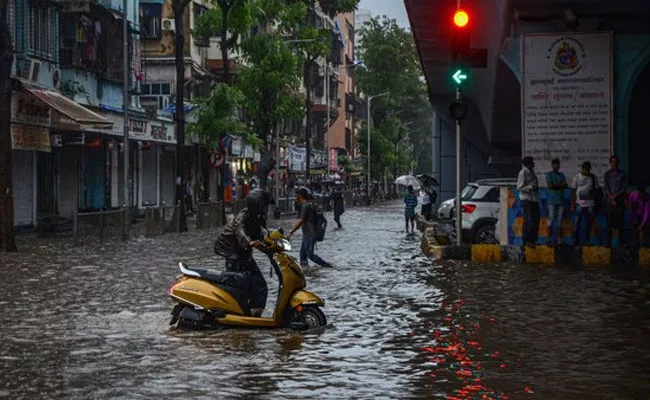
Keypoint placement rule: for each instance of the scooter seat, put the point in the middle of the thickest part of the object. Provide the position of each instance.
(228, 279)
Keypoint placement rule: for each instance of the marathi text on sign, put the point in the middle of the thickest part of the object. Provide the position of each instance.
(567, 100)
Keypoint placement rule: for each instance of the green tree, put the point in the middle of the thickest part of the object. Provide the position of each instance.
(7, 241)
(229, 20)
(391, 65)
(270, 83)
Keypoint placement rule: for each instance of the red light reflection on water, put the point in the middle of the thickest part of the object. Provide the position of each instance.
(457, 350)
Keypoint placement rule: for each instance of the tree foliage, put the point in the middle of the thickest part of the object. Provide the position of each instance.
(401, 119)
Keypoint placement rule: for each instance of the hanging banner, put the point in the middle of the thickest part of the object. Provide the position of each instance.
(567, 105)
(334, 160)
(236, 147)
(297, 159)
(248, 151)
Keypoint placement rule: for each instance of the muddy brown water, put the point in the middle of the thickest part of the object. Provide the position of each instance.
(91, 323)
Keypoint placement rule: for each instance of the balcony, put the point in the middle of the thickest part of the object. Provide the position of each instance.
(91, 39)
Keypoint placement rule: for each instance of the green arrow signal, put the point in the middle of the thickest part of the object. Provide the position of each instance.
(459, 77)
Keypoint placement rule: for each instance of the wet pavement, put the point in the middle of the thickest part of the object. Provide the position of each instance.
(91, 323)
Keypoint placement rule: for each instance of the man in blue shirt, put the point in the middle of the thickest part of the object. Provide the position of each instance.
(556, 183)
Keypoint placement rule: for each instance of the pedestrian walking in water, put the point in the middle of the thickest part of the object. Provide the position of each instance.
(339, 205)
(585, 187)
(556, 183)
(528, 188)
(615, 183)
(307, 222)
(410, 202)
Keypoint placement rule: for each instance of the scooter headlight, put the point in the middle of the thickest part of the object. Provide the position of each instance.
(284, 244)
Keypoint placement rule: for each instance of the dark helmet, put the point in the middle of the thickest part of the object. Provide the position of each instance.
(257, 202)
(305, 192)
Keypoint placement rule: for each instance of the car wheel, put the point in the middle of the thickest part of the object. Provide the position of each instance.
(485, 235)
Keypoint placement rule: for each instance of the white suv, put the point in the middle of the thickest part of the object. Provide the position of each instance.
(481, 206)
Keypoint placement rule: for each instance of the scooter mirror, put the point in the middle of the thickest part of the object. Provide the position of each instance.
(281, 231)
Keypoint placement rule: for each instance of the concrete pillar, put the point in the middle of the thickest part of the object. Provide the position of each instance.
(436, 159)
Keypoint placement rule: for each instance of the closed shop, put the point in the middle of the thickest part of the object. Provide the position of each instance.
(149, 175)
(23, 176)
(69, 169)
(168, 175)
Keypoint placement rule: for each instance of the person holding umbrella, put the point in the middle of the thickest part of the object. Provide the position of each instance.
(410, 202)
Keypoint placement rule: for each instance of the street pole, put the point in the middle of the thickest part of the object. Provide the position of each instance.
(368, 103)
(368, 125)
(276, 212)
(327, 102)
(125, 107)
(459, 201)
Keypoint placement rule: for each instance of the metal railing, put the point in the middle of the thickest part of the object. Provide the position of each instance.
(161, 219)
(100, 225)
(209, 215)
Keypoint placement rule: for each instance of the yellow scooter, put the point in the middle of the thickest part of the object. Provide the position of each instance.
(204, 300)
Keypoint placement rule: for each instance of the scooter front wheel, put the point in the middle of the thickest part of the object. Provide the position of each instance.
(308, 317)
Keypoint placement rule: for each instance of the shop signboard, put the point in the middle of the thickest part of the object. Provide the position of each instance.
(27, 109)
(30, 137)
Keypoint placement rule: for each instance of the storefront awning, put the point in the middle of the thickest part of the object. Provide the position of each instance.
(68, 108)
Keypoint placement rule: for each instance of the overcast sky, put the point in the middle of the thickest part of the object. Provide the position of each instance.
(393, 8)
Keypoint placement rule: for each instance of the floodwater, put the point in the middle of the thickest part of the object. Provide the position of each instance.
(92, 323)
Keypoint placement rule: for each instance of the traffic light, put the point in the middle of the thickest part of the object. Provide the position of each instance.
(462, 53)
(460, 39)
(461, 19)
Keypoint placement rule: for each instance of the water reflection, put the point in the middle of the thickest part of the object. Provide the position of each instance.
(92, 323)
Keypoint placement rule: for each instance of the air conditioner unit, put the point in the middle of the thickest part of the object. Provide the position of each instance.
(31, 69)
(168, 25)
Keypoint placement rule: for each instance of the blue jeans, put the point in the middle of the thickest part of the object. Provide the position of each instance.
(307, 252)
(587, 214)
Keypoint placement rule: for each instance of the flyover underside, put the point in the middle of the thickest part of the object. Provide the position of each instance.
(495, 93)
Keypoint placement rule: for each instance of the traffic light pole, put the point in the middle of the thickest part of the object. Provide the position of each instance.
(459, 202)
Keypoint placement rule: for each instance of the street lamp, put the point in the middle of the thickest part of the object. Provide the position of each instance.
(328, 99)
(369, 101)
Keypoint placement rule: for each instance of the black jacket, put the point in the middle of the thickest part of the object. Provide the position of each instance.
(235, 237)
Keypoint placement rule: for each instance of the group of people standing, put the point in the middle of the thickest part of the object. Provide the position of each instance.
(587, 198)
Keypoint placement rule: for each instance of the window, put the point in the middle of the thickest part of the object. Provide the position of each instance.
(493, 195)
(41, 38)
(156, 93)
(150, 17)
(11, 16)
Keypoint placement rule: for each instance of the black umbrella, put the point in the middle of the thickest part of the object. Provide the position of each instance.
(428, 180)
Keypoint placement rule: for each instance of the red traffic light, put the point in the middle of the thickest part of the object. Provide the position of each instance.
(461, 19)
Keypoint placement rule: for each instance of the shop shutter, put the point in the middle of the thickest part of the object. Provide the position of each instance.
(23, 182)
(168, 176)
(69, 180)
(149, 175)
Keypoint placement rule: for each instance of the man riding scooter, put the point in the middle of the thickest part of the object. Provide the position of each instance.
(236, 243)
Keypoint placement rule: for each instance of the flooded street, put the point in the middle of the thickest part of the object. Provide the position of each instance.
(92, 323)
